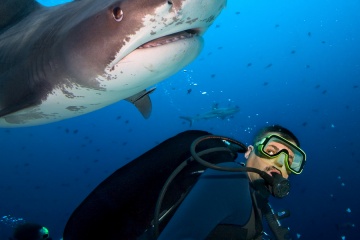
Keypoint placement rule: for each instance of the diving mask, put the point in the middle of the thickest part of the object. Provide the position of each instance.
(274, 146)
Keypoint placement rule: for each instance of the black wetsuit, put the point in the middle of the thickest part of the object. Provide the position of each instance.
(221, 205)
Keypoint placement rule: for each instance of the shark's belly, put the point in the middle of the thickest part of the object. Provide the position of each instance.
(136, 72)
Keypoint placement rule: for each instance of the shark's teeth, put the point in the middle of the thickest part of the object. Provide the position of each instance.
(169, 39)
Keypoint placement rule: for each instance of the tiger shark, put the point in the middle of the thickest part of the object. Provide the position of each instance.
(71, 59)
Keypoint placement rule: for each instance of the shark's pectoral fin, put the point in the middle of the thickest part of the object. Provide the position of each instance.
(25, 102)
(142, 102)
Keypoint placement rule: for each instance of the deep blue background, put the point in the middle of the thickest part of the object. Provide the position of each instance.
(312, 88)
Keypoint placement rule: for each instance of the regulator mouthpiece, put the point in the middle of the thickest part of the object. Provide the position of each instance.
(279, 187)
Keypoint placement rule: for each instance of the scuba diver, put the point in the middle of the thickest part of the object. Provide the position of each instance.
(230, 205)
(30, 231)
(192, 186)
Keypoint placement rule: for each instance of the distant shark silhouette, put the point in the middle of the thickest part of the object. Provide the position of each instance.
(216, 112)
(64, 61)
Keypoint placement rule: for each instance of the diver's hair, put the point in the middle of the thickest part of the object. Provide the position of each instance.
(283, 132)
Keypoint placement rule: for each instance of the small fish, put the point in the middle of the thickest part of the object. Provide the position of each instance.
(268, 66)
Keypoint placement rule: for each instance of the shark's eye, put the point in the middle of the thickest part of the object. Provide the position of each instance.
(118, 14)
(170, 2)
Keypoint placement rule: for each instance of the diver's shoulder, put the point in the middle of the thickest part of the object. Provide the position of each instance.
(224, 168)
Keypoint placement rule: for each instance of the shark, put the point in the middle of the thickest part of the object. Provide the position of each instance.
(70, 59)
(215, 112)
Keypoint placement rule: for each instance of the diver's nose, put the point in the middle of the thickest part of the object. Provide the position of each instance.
(279, 162)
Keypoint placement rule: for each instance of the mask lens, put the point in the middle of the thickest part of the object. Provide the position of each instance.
(274, 145)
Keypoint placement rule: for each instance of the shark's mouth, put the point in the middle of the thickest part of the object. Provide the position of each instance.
(170, 38)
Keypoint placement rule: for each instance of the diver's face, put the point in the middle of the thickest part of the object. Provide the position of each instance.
(265, 164)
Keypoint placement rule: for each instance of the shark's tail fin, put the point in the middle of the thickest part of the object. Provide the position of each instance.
(188, 119)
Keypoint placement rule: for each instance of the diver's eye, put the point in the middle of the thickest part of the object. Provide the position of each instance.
(118, 14)
(271, 151)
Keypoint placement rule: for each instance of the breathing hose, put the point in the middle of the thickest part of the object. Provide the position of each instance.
(277, 185)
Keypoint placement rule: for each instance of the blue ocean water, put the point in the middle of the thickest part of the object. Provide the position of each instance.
(294, 63)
